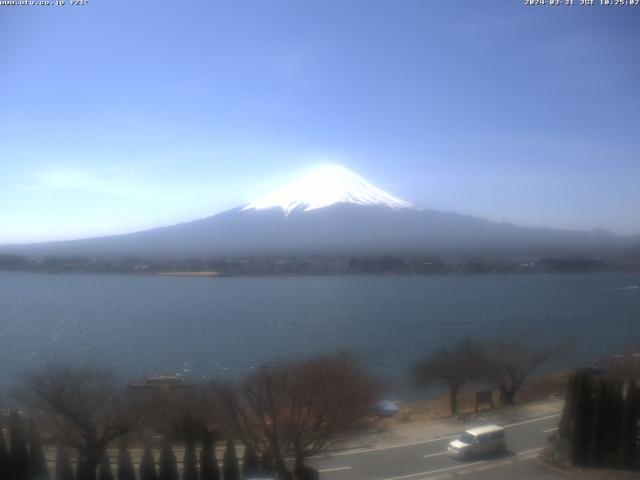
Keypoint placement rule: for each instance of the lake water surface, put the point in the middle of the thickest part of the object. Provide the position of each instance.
(223, 327)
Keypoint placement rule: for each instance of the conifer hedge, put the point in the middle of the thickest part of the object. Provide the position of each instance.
(600, 421)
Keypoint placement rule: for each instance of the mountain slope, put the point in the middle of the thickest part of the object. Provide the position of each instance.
(333, 211)
(338, 229)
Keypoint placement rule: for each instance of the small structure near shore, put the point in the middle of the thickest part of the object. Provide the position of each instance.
(484, 397)
(189, 274)
(162, 383)
(386, 408)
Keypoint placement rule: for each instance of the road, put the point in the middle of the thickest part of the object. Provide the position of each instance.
(428, 459)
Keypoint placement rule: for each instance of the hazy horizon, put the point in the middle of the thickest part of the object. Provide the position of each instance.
(120, 117)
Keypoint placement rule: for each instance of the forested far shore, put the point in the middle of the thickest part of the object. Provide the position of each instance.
(321, 265)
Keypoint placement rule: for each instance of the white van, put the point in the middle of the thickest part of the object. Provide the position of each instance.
(479, 441)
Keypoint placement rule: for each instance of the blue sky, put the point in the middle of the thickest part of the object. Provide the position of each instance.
(119, 115)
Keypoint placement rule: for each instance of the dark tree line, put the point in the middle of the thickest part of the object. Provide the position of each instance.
(314, 265)
(24, 460)
(599, 425)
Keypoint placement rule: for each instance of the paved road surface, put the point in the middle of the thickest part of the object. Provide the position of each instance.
(519, 470)
(427, 459)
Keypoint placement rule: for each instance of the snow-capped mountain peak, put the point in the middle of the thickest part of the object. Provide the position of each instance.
(326, 186)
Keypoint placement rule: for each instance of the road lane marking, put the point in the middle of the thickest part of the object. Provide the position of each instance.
(422, 442)
(456, 467)
(337, 469)
(466, 466)
(494, 465)
(530, 451)
(489, 466)
(387, 447)
(435, 454)
(550, 430)
(533, 420)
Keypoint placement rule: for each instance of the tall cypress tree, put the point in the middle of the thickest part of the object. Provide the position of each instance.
(125, 466)
(148, 465)
(230, 467)
(568, 413)
(599, 427)
(629, 427)
(616, 408)
(5, 460)
(266, 465)
(18, 448)
(63, 465)
(250, 464)
(581, 438)
(81, 470)
(304, 472)
(189, 462)
(209, 469)
(104, 470)
(38, 469)
(168, 465)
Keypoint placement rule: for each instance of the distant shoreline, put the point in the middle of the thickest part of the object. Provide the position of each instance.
(323, 265)
(212, 274)
(189, 274)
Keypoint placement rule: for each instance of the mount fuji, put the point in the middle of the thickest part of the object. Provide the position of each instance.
(326, 186)
(333, 211)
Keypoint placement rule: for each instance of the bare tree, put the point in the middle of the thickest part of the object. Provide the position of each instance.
(84, 407)
(452, 367)
(182, 413)
(301, 408)
(186, 413)
(508, 362)
(329, 398)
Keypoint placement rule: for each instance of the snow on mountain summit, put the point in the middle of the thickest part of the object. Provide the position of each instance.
(326, 186)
